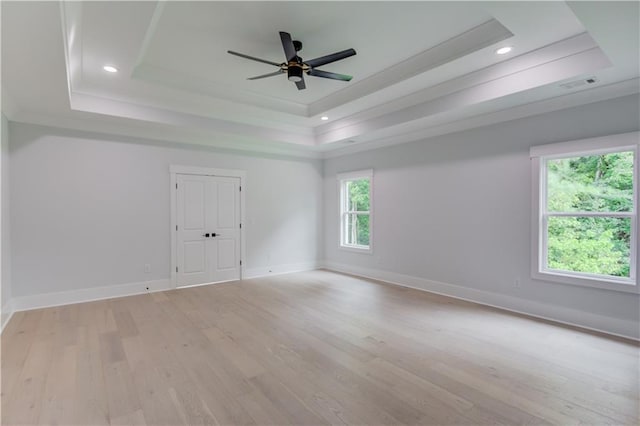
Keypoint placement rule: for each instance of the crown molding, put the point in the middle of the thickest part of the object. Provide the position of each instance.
(570, 100)
(555, 62)
(161, 134)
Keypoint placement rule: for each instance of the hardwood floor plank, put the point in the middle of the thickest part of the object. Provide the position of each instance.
(158, 407)
(91, 394)
(241, 359)
(134, 418)
(400, 379)
(59, 394)
(192, 408)
(286, 402)
(124, 321)
(122, 395)
(17, 338)
(309, 348)
(103, 316)
(24, 402)
(261, 410)
(549, 413)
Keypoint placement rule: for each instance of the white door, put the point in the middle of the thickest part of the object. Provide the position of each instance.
(208, 229)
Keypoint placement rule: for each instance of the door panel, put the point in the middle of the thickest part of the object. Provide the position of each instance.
(208, 205)
(227, 213)
(194, 200)
(194, 257)
(226, 205)
(226, 254)
(192, 248)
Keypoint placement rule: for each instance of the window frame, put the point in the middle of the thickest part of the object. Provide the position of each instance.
(342, 179)
(594, 146)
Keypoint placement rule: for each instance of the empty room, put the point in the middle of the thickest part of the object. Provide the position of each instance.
(320, 212)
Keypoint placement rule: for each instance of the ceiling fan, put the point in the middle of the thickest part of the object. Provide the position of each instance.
(295, 66)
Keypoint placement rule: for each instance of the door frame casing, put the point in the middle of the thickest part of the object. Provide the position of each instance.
(174, 171)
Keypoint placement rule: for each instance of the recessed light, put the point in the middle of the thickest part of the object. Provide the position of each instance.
(504, 50)
(324, 118)
(109, 68)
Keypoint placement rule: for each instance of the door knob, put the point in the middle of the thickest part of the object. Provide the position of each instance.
(206, 235)
(213, 234)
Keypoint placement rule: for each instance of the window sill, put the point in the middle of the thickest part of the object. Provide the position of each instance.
(592, 282)
(356, 249)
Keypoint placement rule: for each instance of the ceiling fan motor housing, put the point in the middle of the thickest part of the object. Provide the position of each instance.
(294, 73)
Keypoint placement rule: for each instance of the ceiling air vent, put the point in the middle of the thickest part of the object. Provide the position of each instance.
(578, 83)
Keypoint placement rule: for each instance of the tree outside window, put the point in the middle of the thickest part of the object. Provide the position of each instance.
(585, 231)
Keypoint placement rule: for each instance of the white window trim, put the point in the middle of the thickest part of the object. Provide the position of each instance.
(341, 177)
(539, 154)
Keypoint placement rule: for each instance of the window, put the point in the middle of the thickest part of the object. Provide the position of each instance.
(355, 210)
(586, 229)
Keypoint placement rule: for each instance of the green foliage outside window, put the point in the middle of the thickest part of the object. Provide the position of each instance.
(596, 183)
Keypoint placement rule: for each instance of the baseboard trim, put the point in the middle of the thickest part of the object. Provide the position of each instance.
(279, 269)
(48, 300)
(586, 320)
(204, 284)
(600, 323)
(7, 313)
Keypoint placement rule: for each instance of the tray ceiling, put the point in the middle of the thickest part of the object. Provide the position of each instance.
(421, 67)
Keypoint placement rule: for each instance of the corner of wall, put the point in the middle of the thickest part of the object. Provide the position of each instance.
(6, 300)
(6, 313)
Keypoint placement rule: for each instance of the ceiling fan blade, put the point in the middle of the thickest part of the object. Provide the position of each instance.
(300, 84)
(242, 55)
(271, 74)
(323, 60)
(331, 75)
(287, 45)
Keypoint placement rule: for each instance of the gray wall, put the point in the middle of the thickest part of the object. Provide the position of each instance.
(89, 210)
(456, 209)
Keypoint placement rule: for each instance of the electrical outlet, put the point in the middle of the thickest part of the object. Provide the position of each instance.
(147, 268)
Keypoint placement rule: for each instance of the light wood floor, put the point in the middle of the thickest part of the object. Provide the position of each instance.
(308, 348)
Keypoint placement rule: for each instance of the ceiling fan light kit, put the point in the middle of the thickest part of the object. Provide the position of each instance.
(295, 66)
(294, 74)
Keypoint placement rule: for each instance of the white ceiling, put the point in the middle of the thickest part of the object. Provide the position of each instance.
(422, 68)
